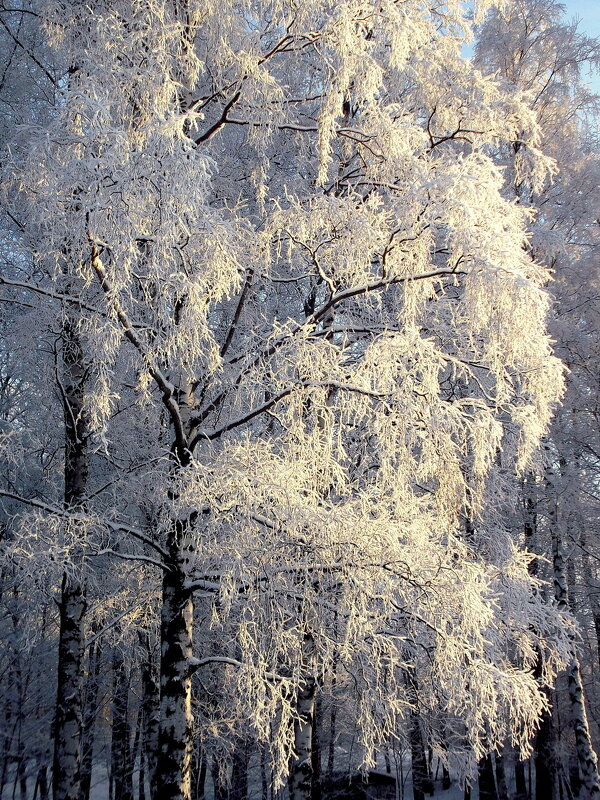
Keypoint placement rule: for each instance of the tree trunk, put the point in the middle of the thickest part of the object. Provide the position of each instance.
(588, 762)
(317, 729)
(485, 776)
(332, 725)
(420, 777)
(422, 783)
(151, 705)
(176, 721)
(66, 776)
(446, 781)
(90, 711)
(545, 761)
(121, 766)
(501, 783)
(21, 775)
(239, 771)
(42, 782)
(264, 779)
(388, 762)
(138, 755)
(521, 792)
(301, 769)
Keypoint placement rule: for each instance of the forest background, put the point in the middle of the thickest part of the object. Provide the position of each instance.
(299, 400)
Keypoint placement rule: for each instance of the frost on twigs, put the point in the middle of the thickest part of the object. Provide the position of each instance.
(330, 364)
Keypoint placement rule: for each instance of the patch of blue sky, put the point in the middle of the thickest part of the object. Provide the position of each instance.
(587, 12)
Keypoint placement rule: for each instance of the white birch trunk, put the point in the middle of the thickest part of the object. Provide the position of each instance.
(66, 777)
(176, 721)
(301, 770)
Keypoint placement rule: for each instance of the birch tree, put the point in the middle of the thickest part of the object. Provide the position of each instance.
(309, 300)
(537, 49)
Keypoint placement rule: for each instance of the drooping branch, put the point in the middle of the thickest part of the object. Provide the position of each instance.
(120, 527)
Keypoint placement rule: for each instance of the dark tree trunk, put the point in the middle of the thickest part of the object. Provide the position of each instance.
(317, 729)
(151, 707)
(422, 783)
(239, 771)
(332, 727)
(446, 782)
(574, 776)
(420, 773)
(22, 778)
(121, 763)
(485, 776)
(138, 753)
(545, 762)
(521, 792)
(501, 778)
(596, 616)
(90, 711)
(42, 783)
(264, 779)
(388, 763)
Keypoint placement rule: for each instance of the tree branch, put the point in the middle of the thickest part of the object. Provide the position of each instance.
(28, 52)
(32, 287)
(211, 435)
(166, 387)
(61, 512)
(373, 287)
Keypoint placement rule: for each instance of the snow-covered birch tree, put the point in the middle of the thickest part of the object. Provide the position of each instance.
(304, 292)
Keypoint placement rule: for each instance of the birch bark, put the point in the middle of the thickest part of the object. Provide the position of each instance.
(301, 771)
(176, 721)
(66, 776)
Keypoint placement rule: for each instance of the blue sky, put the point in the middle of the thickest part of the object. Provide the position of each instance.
(589, 13)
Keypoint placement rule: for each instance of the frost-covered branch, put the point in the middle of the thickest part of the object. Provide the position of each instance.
(121, 527)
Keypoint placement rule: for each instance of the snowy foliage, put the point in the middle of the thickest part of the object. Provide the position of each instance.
(305, 295)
